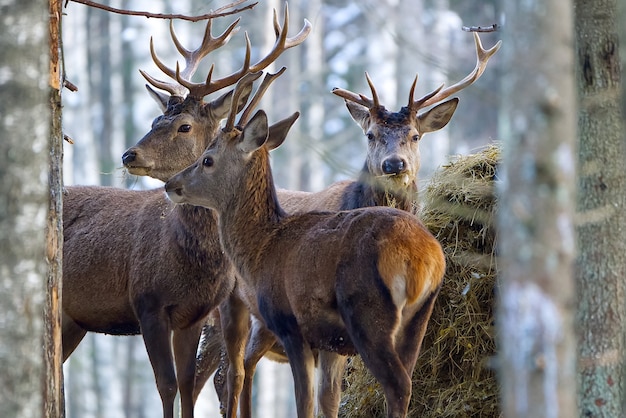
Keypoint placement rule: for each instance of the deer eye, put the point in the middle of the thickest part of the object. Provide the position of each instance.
(370, 137)
(416, 138)
(184, 128)
(207, 162)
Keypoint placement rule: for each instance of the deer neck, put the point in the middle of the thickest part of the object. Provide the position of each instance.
(198, 219)
(197, 226)
(251, 213)
(377, 192)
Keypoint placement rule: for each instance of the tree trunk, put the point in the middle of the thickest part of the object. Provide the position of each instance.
(601, 264)
(99, 68)
(53, 358)
(536, 231)
(24, 133)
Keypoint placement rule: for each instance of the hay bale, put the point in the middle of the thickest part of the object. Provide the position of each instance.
(452, 377)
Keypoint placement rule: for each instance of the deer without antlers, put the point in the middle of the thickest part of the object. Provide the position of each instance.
(361, 281)
(133, 262)
(388, 178)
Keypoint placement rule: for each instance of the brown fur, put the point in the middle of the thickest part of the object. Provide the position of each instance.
(165, 138)
(313, 278)
(135, 263)
(392, 137)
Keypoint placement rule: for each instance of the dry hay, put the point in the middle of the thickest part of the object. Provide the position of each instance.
(452, 377)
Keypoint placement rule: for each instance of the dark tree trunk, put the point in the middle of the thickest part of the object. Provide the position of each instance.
(601, 264)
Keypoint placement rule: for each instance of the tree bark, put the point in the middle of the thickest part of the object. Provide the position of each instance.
(536, 229)
(601, 227)
(53, 357)
(24, 133)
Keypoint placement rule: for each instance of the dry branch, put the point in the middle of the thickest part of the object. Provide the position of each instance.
(221, 12)
(491, 28)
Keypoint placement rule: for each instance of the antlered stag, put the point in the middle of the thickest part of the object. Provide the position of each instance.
(134, 262)
(361, 281)
(388, 178)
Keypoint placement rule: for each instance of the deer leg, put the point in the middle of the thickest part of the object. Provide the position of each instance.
(376, 346)
(302, 362)
(331, 366)
(185, 342)
(260, 342)
(380, 357)
(156, 331)
(71, 335)
(409, 342)
(235, 319)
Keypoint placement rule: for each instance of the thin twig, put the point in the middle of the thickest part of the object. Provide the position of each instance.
(490, 28)
(219, 13)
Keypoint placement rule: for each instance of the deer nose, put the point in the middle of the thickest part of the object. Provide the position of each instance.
(394, 165)
(129, 157)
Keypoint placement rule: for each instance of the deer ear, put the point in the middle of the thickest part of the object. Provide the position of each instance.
(360, 114)
(254, 133)
(160, 98)
(278, 131)
(437, 117)
(221, 106)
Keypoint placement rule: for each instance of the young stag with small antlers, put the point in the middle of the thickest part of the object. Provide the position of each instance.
(388, 178)
(361, 281)
(134, 262)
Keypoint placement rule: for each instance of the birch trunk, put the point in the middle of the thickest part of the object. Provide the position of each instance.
(537, 242)
(24, 152)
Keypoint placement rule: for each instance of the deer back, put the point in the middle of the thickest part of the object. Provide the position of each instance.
(144, 246)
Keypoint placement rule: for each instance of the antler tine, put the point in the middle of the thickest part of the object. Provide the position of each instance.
(414, 106)
(234, 104)
(172, 88)
(192, 58)
(209, 44)
(482, 57)
(267, 80)
(376, 102)
(353, 97)
(200, 90)
(360, 98)
(281, 45)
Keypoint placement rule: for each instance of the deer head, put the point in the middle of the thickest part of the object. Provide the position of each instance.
(393, 137)
(209, 181)
(188, 122)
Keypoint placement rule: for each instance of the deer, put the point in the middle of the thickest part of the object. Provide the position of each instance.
(350, 282)
(388, 178)
(133, 262)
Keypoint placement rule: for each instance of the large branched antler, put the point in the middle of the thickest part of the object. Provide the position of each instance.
(439, 94)
(434, 96)
(192, 58)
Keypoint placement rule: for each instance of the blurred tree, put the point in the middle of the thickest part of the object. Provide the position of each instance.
(601, 263)
(24, 151)
(537, 346)
(99, 69)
